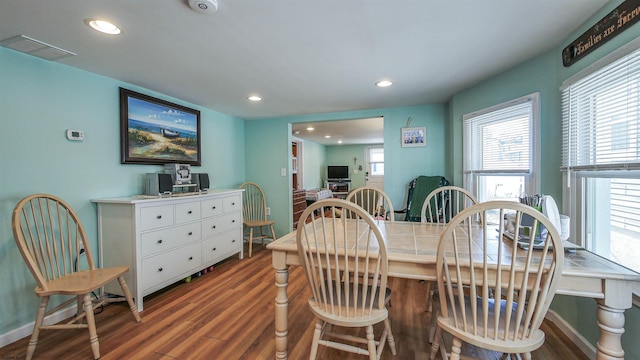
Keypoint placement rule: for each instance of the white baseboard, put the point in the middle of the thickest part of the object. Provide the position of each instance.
(26, 330)
(575, 337)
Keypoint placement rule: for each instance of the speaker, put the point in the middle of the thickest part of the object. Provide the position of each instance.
(201, 179)
(158, 184)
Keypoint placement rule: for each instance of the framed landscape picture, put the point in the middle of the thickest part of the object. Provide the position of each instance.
(155, 131)
(414, 136)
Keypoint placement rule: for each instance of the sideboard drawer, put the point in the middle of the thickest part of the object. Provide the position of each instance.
(154, 217)
(220, 224)
(231, 203)
(158, 269)
(216, 248)
(211, 207)
(187, 212)
(156, 241)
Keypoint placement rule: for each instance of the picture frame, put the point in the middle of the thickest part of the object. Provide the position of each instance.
(414, 136)
(155, 131)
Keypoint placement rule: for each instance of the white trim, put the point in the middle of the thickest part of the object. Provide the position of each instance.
(575, 337)
(26, 329)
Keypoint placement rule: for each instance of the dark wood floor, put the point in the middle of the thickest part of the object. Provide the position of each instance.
(228, 314)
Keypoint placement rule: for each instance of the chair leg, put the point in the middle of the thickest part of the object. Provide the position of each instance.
(429, 296)
(316, 340)
(31, 348)
(392, 342)
(273, 233)
(91, 322)
(371, 343)
(250, 240)
(456, 349)
(435, 344)
(127, 295)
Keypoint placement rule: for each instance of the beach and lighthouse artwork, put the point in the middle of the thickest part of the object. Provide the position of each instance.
(155, 131)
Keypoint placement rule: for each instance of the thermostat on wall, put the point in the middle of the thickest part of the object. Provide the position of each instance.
(75, 135)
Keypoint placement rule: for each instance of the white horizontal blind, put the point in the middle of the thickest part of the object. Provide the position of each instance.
(499, 141)
(600, 118)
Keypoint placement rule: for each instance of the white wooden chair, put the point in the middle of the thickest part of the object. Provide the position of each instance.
(492, 293)
(440, 206)
(331, 246)
(443, 203)
(54, 246)
(254, 213)
(376, 202)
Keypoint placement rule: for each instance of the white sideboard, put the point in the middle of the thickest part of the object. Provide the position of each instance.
(164, 240)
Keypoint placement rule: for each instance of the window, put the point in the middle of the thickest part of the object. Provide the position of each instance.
(375, 158)
(601, 155)
(499, 148)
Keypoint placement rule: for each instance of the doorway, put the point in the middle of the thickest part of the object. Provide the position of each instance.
(375, 167)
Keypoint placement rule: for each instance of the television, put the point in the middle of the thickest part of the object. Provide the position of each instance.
(335, 172)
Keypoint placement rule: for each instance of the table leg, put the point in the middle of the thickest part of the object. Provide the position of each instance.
(611, 324)
(282, 312)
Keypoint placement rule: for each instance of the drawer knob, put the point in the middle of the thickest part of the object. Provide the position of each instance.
(214, 249)
(213, 207)
(190, 257)
(160, 241)
(159, 217)
(233, 203)
(190, 233)
(234, 240)
(213, 227)
(190, 212)
(160, 270)
(233, 221)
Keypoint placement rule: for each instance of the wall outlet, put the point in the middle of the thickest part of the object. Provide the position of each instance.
(268, 211)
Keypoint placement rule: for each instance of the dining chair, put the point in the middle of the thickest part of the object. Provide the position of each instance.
(440, 206)
(493, 293)
(254, 214)
(345, 261)
(54, 245)
(375, 201)
(443, 203)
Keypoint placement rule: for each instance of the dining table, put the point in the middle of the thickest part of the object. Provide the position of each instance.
(411, 252)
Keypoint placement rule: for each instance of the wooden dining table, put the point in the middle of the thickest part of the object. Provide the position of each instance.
(411, 250)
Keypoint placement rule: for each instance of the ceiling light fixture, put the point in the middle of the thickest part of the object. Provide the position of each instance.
(254, 98)
(327, 136)
(103, 26)
(384, 83)
(310, 128)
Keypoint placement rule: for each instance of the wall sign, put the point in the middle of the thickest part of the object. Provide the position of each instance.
(621, 18)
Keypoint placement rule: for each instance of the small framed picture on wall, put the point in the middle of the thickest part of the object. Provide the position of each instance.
(414, 136)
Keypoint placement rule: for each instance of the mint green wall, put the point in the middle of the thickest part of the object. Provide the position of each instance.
(39, 100)
(401, 164)
(344, 155)
(545, 74)
(313, 164)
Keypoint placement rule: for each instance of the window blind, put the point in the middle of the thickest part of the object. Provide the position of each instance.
(499, 141)
(600, 118)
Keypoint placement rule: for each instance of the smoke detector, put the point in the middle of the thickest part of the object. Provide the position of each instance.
(208, 7)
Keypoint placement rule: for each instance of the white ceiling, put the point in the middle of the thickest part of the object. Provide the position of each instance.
(300, 56)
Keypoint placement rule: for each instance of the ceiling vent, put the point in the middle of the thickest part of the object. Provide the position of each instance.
(34, 47)
(208, 7)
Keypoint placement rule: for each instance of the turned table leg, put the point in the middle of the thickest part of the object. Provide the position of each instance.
(281, 312)
(611, 324)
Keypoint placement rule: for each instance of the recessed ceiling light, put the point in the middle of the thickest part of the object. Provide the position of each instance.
(254, 98)
(310, 128)
(327, 136)
(339, 141)
(384, 83)
(103, 26)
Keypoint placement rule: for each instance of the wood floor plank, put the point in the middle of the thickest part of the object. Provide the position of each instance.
(228, 314)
